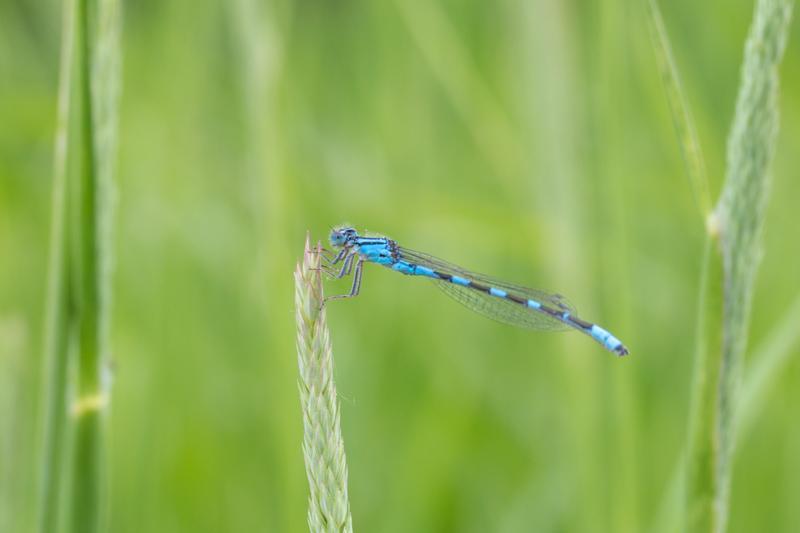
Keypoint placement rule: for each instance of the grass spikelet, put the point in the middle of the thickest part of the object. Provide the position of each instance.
(742, 209)
(731, 257)
(733, 253)
(323, 446)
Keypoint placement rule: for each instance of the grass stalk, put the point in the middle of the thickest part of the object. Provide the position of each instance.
(77, 299)
(97, 29)
(323, 446)
(701, 479)
(732, 257)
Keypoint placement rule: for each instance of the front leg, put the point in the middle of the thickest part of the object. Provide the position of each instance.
(328, 256)
(343, 253)
(328, 271)
(347, 267)
(354, 290)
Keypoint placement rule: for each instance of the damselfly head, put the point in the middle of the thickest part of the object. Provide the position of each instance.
(342, 236)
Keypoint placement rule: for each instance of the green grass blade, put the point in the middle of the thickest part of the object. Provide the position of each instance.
(449, 60)
(680, 111)
(768, 362)
(670, 508)
(14, 425)
(77, 300)
(323, 446)
(97, 60)
(57, 300)
(701, 480)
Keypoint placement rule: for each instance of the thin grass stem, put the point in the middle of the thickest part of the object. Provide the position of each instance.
(680, 110)
(701, 480)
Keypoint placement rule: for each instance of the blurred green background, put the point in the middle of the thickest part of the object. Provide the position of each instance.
(530, 140)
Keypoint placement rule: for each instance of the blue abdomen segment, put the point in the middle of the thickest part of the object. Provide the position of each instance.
(511, 304)
(514, 300)
(414, 270)
(606, 339)
(609, 341)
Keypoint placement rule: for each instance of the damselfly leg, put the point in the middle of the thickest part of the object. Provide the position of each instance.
(357, 273)
(328, 256)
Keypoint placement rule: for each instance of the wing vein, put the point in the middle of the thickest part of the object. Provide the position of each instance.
(500, 309)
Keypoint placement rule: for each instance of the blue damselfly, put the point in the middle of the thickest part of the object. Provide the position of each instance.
(504, 302)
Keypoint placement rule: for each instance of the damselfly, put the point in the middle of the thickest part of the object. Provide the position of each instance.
(504, 302)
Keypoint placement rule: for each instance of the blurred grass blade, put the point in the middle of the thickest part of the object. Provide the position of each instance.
(96, 67)
(679, 108)
(57, 337)
(701, 481)
(768, 362)
(15, 416)
(262, 56)
(323, 446)
(494, 133)
(670, 508)
(736, 226)
(78, 292)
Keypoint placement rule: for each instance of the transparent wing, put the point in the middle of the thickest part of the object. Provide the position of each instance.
(493, 307)
(501, 310)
